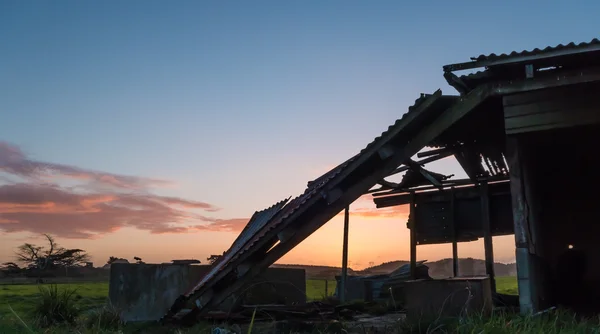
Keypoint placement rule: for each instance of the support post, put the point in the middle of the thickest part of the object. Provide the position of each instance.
(413, 237)
(345, 255)
(487, 234)
(528, 290)
(454, 234)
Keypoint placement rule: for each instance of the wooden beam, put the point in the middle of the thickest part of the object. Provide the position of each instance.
(552, 79)
(437, 151)
(422, 162)
(413, 238)
(454, 233)
(456, 82)
(344, 277)
(527, 290)
(388, 184)
(487, 234)
(415, 166)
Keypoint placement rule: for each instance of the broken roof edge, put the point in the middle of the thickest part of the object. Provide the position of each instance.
(515, 57)
(254, 216)
(411, 109)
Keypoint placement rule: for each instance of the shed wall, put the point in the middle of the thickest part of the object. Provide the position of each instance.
(551, 108)
(563, 210)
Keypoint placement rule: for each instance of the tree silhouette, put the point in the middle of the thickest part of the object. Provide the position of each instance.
(42, 258)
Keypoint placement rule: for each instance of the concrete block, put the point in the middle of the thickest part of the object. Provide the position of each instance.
(430, 299)
(144, 292)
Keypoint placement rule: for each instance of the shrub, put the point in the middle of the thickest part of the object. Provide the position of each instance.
(55, 306)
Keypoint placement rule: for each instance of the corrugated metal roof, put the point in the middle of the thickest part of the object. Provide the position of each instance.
(281, 217)
(258, 220)
(537, 51)
(536, 54)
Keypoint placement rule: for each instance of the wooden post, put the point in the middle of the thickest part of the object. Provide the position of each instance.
(326, 288)
(526, 278)
(413, 237)
(487, 234)
(454, 234)
(345, 256)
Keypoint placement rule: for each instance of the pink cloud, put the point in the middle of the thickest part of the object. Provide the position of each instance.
(51, 209)
(109, 202)
(14, 161)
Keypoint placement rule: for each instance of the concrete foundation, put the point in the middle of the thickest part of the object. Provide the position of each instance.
(430, 299)
(144, 292)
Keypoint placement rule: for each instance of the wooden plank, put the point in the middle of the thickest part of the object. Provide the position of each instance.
(554, 79)
(550, 105)
(559, 93)
(487, 234)
(552, 120)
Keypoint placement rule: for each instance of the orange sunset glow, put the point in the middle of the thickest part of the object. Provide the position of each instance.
(115, 215)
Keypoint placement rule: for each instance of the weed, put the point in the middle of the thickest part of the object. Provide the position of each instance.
(55, 306)
(106, 317)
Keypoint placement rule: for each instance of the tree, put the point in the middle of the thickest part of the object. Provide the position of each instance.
(138, 260)
(53, 256)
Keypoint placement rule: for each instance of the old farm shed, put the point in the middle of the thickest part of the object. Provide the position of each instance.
(523, 129)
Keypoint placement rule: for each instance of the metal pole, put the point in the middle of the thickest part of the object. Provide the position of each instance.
(345, 256)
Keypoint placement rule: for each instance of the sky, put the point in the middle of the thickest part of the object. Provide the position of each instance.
(156, 129)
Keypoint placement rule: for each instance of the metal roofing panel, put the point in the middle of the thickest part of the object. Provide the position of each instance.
(493, 59)
(584, 46)
(256, 222)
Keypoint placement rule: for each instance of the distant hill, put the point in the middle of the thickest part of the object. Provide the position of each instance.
(437, 269)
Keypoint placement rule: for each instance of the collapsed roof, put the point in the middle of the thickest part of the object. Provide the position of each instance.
(435, 120)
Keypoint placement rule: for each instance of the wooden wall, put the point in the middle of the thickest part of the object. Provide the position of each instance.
(552, 108)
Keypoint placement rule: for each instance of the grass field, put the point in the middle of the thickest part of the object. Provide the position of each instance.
(22, 298)
(91, 295)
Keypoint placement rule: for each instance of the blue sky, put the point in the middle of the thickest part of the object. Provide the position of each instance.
(241, 103)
